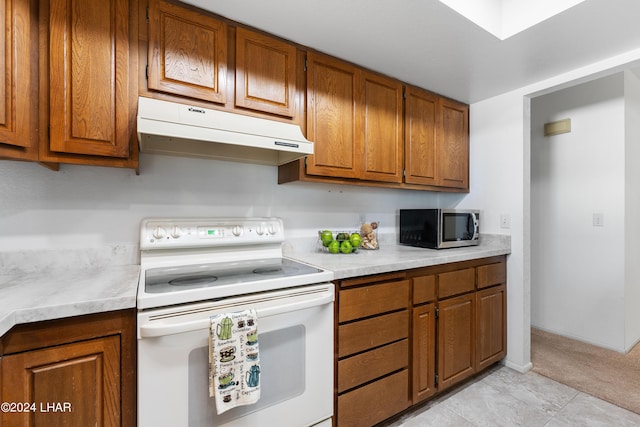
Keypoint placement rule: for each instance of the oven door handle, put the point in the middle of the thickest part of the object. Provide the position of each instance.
(158, 330)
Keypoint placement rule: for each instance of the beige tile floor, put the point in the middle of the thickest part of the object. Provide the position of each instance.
(505, 397)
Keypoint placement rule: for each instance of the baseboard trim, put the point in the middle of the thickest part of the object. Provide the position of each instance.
(523, 369)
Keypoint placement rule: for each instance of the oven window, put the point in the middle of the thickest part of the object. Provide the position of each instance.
(282, 377)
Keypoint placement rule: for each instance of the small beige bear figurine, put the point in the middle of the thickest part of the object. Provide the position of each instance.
(369, 240)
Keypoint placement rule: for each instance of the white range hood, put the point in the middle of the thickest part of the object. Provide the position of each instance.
(184, 130)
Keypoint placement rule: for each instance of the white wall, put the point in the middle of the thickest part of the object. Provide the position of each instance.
(497, 188)
(500, 127)
(577, 270)
(632, 208)
(82, 206)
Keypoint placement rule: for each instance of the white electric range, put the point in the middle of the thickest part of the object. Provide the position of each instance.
(194, 268)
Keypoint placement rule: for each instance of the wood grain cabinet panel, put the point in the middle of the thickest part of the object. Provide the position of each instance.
(332, 123)
(84, 376)
(187, 52)
(382, 142)
(437, 140)
(456, 282)
(374, 402)
(89, 74)
(266, 73)
(456, 340)
(424, 289)
(364, 367)
(369, 333)
(85, 364)
(491, 321)
(18, 79)
(373, 299)
(424, 352)
(453, 145)
(420, 123)
(492, 274)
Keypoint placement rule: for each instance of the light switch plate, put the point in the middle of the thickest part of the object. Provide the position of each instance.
(598, 220)
(505, 221)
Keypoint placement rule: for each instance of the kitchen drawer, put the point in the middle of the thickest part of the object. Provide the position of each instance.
(370, 333)
(364, 367)
(424, 289)
(374, 402)
(492, 274)
(373, 299)
(456, 282)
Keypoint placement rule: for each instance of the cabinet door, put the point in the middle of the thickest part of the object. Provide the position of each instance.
(332, 123)
(187, 52)
(74, 384)
(453, 145)
(424, 352)
(491, 321)
(18, 79)
(89, 77)
(382, 142)
(265, 73)
(420, 136)
(456, 340)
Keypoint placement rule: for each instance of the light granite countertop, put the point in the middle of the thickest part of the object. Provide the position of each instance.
(46, 285)
(53, 290)
(391, 256)
(33, 297)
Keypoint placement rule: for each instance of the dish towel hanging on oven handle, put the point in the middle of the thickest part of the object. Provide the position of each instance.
(234, 359)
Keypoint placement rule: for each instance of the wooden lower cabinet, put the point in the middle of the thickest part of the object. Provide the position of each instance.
(372, 351)
(404, 337)
(75, 384)
(424, 352)
(71, 372)
(456, 340)
(491, 318)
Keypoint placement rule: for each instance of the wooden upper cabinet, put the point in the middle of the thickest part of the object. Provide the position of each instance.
(89, 77)
(332, 122)
(437, 140)
(18, 79)
(266, 73)
(453, 145)
(187, 52)
(420, 136)
(382, 143)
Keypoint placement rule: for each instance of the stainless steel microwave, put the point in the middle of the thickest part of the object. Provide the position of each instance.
(439, 228)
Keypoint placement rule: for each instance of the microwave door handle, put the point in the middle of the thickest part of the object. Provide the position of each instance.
(476, 228)
(150, 331)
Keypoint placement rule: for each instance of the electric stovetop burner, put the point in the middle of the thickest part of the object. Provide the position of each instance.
(172, 279)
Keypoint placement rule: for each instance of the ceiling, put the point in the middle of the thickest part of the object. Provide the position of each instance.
(425, 43)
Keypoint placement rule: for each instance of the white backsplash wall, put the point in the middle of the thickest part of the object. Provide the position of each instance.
(91, 207)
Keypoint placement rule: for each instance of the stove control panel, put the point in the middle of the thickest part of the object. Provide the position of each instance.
(167, 233)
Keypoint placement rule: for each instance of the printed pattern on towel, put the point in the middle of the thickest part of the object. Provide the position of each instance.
(234, 359)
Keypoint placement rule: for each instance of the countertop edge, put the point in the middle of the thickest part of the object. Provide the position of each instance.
(89, 291)
(392, 256)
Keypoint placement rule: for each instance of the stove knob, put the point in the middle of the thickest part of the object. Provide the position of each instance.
(176, 232)
(273, 228)
(260, 229)
(159, 232)
(237, 230)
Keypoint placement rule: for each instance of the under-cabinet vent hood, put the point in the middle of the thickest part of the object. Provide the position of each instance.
(182, 130)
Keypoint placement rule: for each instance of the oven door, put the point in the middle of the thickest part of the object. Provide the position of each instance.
(296, 361)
